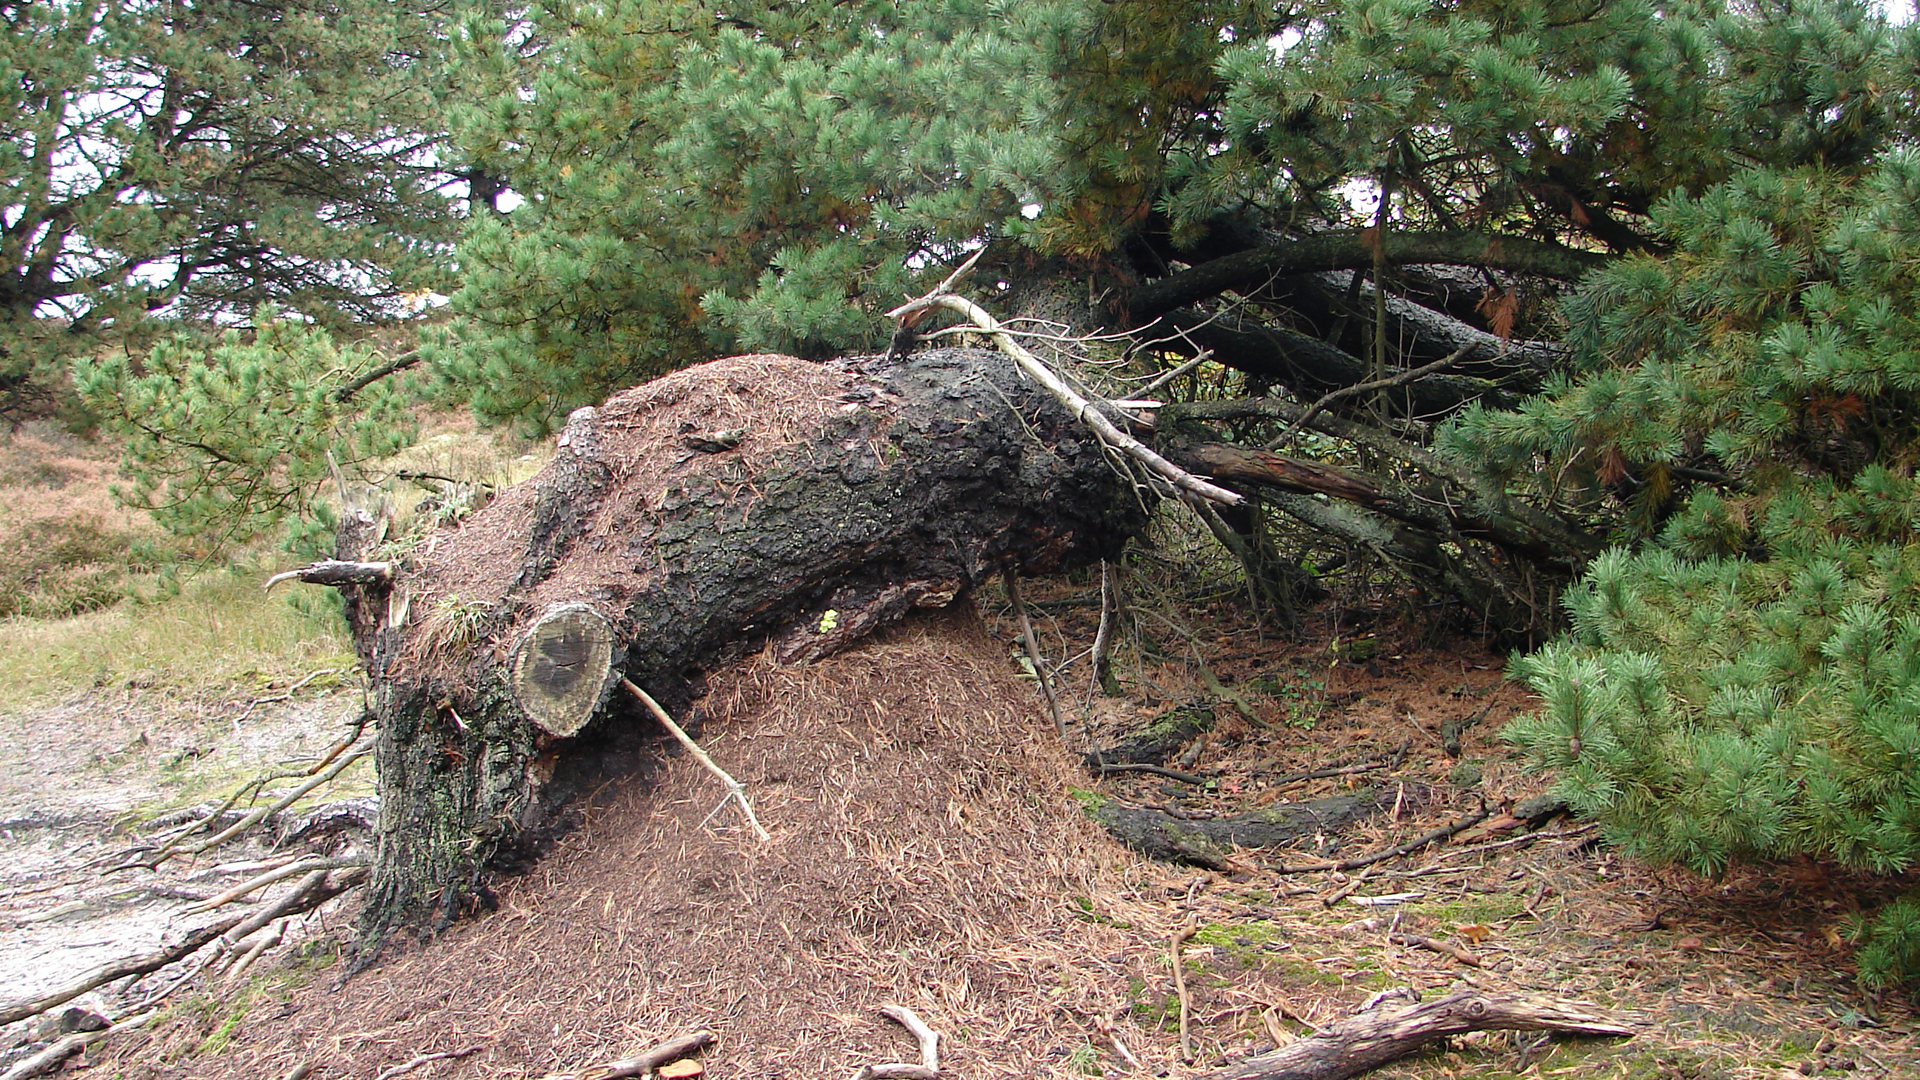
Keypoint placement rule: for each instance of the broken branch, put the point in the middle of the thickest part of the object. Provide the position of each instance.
(1075, 402)
(735, 789)
(1373, 1038)
(929, 1067)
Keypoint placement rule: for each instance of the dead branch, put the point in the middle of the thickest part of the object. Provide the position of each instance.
(1075, 402)
(1370, 1039)
(285, 870)
(1445, 948)
(1394, 852)
(929, 1067)
(337, 573)
(735, 789)
(1033, 654)
(642, 1063)
(315, 889)
(1360, 388)
(50, 1059)
(1186, 931)
(119, 969)
(427, 1059)
(288, 696)
(321, 772)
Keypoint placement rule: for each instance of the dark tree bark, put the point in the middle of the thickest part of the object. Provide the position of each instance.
(846, 494)
(1206, 842)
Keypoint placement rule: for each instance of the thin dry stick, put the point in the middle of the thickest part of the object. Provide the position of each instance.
(287, 870)
(1204, 356)
(1033, 654)
(1071, 398)
(643, 1063)
(285, 801)
(1180, 988)
(427, 1059)
(735, 789)
(1394, 852)
(929, 1067)
(1346, 890)
(1421, 941)
(288, 696)
(1360, 388)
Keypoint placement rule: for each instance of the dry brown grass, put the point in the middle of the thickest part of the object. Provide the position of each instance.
(66, 546)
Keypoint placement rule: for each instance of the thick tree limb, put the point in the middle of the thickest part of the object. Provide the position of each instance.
(336, 572)
(1159, 835)
(1349, 250)
(1309, 366)
(1373, 1038)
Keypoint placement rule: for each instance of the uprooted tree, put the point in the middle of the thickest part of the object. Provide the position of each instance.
(1485, 287)
(761, 501)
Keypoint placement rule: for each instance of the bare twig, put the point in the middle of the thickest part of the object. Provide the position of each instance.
(1390, 381)
(1186, 931)
(427, 1059)
(288, 696)
(735, 789)
(1421, 941)
(1077, 403)
(1156, 770)
(1033, 653)
(929, 1066)
(287, 870)
(1204, 356)
(643, 1063)
(1394, 852)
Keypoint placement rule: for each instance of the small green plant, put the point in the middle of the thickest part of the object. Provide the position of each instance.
(1085, 1060)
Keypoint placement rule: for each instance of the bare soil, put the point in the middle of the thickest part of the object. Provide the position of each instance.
(930, 850)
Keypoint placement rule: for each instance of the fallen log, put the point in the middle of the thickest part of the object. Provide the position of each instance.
(1374, 1037)
(857, 491)
(1206, 842)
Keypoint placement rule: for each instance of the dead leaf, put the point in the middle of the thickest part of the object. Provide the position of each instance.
(1688, 944)
(683, 1069)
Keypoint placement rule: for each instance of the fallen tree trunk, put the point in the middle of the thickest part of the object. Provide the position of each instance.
(844, 495)
(1371, 1038)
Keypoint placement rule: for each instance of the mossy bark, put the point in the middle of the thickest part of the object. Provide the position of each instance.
(906, 485)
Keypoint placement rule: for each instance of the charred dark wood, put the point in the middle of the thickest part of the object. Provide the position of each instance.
(1374, 1037)
(1207, 842)
(859, 491)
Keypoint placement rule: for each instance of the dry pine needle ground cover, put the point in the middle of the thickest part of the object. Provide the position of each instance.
(929, 850)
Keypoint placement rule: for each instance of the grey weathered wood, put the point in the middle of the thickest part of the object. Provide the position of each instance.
(1370, 1039)
(563, 667)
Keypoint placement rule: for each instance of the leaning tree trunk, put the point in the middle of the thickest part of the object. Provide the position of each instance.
(756, 501)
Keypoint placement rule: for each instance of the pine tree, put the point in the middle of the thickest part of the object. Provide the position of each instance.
(1322, 194)
(188, 161)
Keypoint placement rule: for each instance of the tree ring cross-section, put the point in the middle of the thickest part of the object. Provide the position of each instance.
(562, 668)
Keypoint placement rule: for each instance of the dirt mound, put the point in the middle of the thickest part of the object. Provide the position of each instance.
(926, 852)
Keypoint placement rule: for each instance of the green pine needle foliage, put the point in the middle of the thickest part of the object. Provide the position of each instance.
(232, 438)
(1742, 680)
